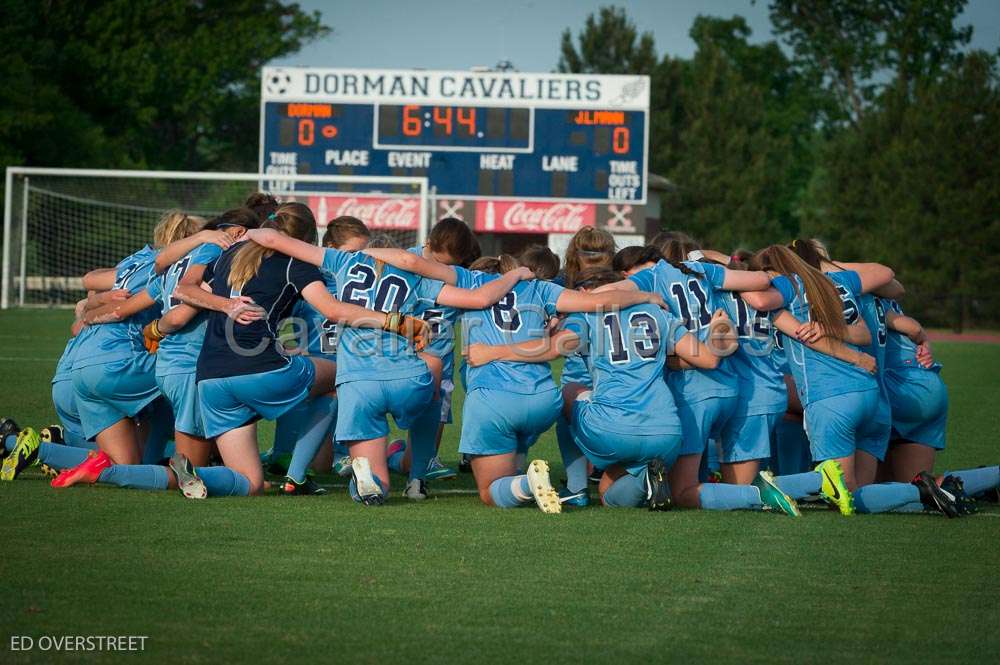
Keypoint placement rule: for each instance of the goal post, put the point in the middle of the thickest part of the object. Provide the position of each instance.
(61, 223)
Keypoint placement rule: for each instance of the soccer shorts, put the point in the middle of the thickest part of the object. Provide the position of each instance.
(107, 393)
(835, 425)
(64, 399)
(182, 393)
(497, 422)
(747, 438)
(703, 420)
(604, 447)
(919, 401)
(231, 402)
(365, 405)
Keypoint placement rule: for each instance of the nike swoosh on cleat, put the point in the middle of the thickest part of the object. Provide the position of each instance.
(836, 492)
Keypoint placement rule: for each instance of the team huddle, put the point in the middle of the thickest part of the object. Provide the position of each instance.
(692, 378)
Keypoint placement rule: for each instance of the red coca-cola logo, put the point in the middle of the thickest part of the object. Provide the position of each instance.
(377, 212)
(533, 217)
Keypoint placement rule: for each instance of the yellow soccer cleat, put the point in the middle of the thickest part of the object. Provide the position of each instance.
(541, 487)
(834, 489)
(25, 454)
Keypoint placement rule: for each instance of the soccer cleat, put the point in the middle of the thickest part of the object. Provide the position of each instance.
(87, 471)
(7, 428)
(966, 504)
(368, 491)
(48, 471)
(416, 490)
(188, 482)
(773, 498)
(25, 454)
(579, 499)
(52, 434)
(657, 487)
(438, 471)
(595, 475)
(933, 497)
(342, 467)
(833, 489)
(464, 464)
(307, 487)
(541, 487)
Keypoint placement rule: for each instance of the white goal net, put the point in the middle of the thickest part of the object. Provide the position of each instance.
(61, 223)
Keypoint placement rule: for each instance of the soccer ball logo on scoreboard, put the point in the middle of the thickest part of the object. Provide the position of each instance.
(486, 136)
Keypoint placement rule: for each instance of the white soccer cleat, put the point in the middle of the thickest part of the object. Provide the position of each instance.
(541, 487)
(369, 492)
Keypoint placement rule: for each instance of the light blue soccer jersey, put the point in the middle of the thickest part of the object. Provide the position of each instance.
(575, 370)
(442, 322)
(519, 316)
(366, 354)
(321, 334)
(178, 351)
(107, 342)
(692, 299)
(817, 375)
(760, 374)
(626, 352)
(65, 364)
(900, 351)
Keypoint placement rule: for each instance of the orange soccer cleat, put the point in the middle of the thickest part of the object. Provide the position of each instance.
(87, 471)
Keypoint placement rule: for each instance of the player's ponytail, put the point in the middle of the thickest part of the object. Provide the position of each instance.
(810, 251)
(825, 306)
(628, 258)
(487, 264)
(174, 226)
(540, 260)
(588, 248)
(293, 219)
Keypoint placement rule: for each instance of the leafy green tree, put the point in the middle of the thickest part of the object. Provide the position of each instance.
(140, 83)
(608, 44)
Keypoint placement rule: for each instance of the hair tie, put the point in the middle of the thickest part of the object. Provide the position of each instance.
(273, 216)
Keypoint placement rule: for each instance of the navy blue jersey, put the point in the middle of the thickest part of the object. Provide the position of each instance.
(231, 349)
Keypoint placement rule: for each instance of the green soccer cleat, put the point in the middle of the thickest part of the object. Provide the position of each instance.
(438, 471)
(773, 498)
(834, 490)
(188, 482)
(342, 467)
(25, 454)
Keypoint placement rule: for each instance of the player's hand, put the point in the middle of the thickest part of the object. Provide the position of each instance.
(243, 310)
(414, 329)
(117, 294)
(220, 238)
(151, 337)
(722, 337)
(477, 355)
(524, 273)
(866, 362)
(810, 333)
(924, 356)
(657, 299)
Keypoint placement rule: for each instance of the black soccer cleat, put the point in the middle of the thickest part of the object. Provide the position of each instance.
(7, 428)
(595, 475)
(966, 504)
(657, 487)
(52, 434)
(933, 497)
(307, 487)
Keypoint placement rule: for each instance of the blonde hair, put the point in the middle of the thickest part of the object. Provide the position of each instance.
(293, 219)
(825, 306)
(175, 225)
(588, 248)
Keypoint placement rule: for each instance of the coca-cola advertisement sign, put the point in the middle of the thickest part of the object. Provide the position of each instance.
(377, 212)
(533, 216)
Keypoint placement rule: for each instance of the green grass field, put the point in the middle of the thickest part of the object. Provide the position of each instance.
(321, 579)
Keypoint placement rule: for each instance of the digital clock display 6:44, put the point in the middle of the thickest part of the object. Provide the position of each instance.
(454, 127)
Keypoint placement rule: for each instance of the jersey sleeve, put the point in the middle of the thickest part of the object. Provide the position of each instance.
(428, 290)
(852, 280)
(154, 287)
(301, 275)
(645, 280)
(577, 323)
(716, 274)
(784, 286)
(471, 279)
(205, 254)
(550, 294)
(334, 260)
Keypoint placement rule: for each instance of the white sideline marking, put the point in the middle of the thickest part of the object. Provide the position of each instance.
(432, 492)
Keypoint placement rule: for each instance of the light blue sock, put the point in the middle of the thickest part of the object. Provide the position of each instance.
(395, 460)
(76, 440)
(352, 488)
(161, 429)
(913, 507)
(627, 492)
(722, 496)
(316, 423)
(573, 460)
(800, 485)
(223, 481)
(510, 491)
(10, 442)
(135, 476)
(423, 439)
(885, 497)
(978, 480)
(61, 457)
(287, 429)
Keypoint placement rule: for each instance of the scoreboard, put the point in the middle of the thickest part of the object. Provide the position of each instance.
(474, 135)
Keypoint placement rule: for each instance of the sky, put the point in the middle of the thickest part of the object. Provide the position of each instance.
(459, 34)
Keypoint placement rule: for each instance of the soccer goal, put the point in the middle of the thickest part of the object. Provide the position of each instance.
(61, 223)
